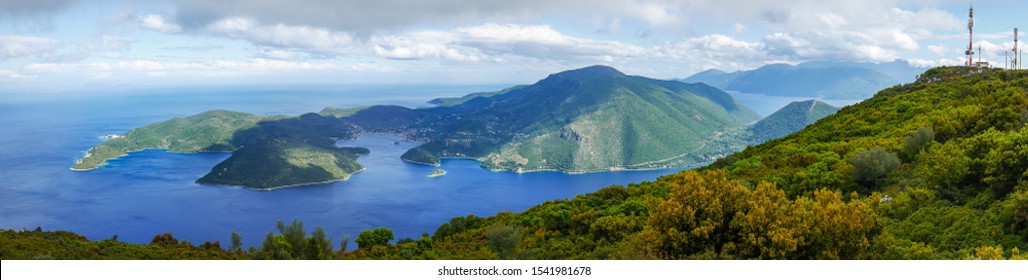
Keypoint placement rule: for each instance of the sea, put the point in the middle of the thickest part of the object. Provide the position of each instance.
(151, 192)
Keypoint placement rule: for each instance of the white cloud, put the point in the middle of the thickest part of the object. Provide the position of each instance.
(23, 46)
(298, 38)
(159, 23)
(714, 51)
(926, 63)
(940, 50)
(496, 42)
(15, 75)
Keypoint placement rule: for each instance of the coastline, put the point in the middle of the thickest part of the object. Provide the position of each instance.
(284, 186)
(576, 172)
(422, 163)
(167, 150)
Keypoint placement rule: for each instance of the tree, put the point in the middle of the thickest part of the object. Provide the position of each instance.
(693, 220)
(917, 141)
(165, 239)
(237, 242)
(319, 246)
(503, 239)
(344, 243)
(988, 253)
(295, 236)
(871, 166)
(370, 238)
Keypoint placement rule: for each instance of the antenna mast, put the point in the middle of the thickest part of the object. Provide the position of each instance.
(1017, 62)
(970, 37)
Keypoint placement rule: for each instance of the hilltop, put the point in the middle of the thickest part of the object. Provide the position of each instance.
(789, 119)
(566, 122)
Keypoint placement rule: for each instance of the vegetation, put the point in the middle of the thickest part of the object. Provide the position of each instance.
(208, 131)
(449, 102)
(789, 119)
(564, 122)
(340, 112)
(283, 162)
(63, 245)
(419, 156)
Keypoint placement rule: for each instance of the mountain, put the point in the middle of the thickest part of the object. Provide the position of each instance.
(590, 119)
(789, 119)
(837, 80)
(899, 69)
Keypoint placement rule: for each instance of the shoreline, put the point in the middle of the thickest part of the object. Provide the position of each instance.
(577, 172)
(422, 163)
(167, 150)
(284, 186)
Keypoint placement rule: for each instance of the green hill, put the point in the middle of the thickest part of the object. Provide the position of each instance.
(789, 119)
(594, 118)
(282, 163)
(208, 131)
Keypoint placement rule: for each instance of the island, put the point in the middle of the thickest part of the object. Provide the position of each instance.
(592, 119)
(437, 172)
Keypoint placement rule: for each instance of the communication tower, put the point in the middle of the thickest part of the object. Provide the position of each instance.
(1017, 63)
(970, 35)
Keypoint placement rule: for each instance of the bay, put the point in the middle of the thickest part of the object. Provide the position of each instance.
(152, 192)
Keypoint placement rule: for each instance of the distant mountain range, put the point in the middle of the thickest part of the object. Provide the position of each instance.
(590, 119)
(821, 79)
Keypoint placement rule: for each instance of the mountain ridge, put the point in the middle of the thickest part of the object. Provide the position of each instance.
(821, 79)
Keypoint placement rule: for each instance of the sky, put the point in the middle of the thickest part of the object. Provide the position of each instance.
(67, 45)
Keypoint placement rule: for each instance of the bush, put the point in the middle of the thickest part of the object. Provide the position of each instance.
(503, 239)
(370, 238)
(871, 166)
(917, 141)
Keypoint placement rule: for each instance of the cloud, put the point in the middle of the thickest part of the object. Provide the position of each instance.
(496, 42)
(873, 30)
(940, 50)
(24, 46)
(145, 69)
(158, 23)
(23, 9)
(926, 63)
(297, 38)
(15, 75)
(714, 51)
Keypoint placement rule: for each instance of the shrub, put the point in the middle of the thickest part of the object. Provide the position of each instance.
(871, 166)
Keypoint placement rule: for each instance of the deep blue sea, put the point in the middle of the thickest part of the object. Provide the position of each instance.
(151, 192)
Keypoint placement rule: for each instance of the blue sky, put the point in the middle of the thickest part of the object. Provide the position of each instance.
(65, 45)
